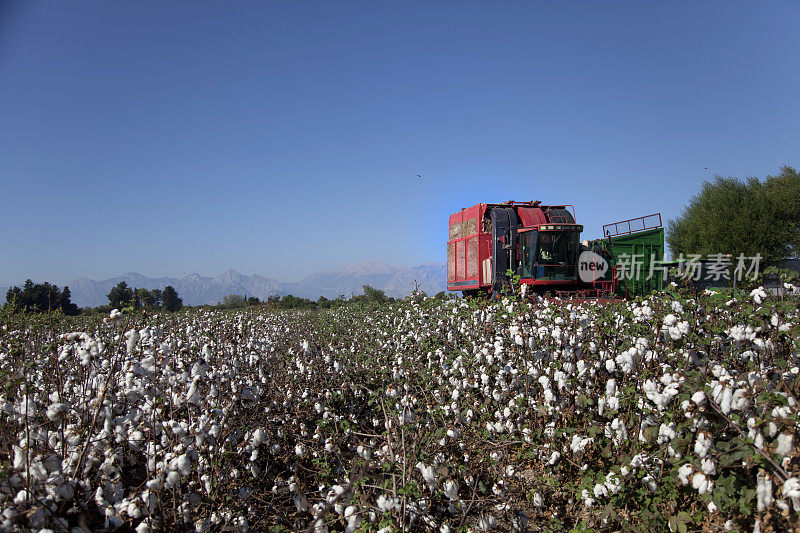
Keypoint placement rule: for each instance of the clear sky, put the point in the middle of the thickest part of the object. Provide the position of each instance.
(283, 138)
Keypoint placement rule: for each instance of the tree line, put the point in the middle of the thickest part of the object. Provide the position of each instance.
(371, 296)
(44, 297)
(40, 298)
(123, 296)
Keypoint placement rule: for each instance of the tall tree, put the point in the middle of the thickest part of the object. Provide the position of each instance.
(40, 297)
(67, 306)
(374, 295)
(170, 300)
(120, 296)
(156, 293)
(143, 298)
(749, 217)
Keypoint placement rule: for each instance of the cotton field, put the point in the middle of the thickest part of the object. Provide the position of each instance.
(669, 413)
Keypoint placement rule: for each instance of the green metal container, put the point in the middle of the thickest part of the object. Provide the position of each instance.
(638, 258)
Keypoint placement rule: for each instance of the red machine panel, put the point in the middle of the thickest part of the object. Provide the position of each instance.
(465, 248)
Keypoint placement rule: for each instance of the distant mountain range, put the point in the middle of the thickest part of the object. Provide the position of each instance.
(198, 290)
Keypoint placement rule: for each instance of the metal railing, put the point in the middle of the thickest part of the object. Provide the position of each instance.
(632, 225)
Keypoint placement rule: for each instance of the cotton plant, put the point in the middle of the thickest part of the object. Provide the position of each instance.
(468, 403)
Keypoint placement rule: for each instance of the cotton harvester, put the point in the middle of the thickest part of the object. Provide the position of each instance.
(492, 243)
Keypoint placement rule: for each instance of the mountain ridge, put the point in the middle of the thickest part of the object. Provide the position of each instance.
(195, 289)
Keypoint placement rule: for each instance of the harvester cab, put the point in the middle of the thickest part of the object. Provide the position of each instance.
(539, 243)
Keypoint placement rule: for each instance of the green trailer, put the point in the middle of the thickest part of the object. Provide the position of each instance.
(635, 251)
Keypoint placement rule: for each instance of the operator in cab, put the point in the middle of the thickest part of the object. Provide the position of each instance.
(545, 247)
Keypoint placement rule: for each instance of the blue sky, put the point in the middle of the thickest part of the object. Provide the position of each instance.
(284, 138)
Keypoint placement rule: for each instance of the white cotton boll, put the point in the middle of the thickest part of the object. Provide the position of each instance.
(772, 429)
(699, 397)
(487, 522)
(703, 444)
(451, 489)
(385, 504)
(150, 500)
(300, 450)
(132, 337)
(352, 518)
(684, 472)
(143, 528)
(725, 399)
(701, 483)
(259, 437)
(182, 464)
(785, 444)
(587, 501)
(579, 443)
(428, 474)
(708, 466)
(791, 488)
(173, 478)
(612, 483)
(625, 361)
(670, 320)
(55, 411)
(763, 491)
(758, 295)
(600, 490)
(133, 510)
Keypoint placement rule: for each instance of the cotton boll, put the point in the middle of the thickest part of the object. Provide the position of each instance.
(451, 489)
(763, 491)
(702, 483)
(600, 490)
(173, 478)
(758, 295)
(785, 444)
(385, 504)
(699, 398)
(428, 475)
(708, 466)
(182, 464)
(703, 444)
(684, 472)
(487, 522)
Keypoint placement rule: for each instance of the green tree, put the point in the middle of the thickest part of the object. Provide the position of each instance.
(253, 301)
(750, 217)
(143, 298)
(156, 294)
(40, 297)
(234, 300)
(374, 295)
(170, 300)
(120, 296)
(67, 306)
